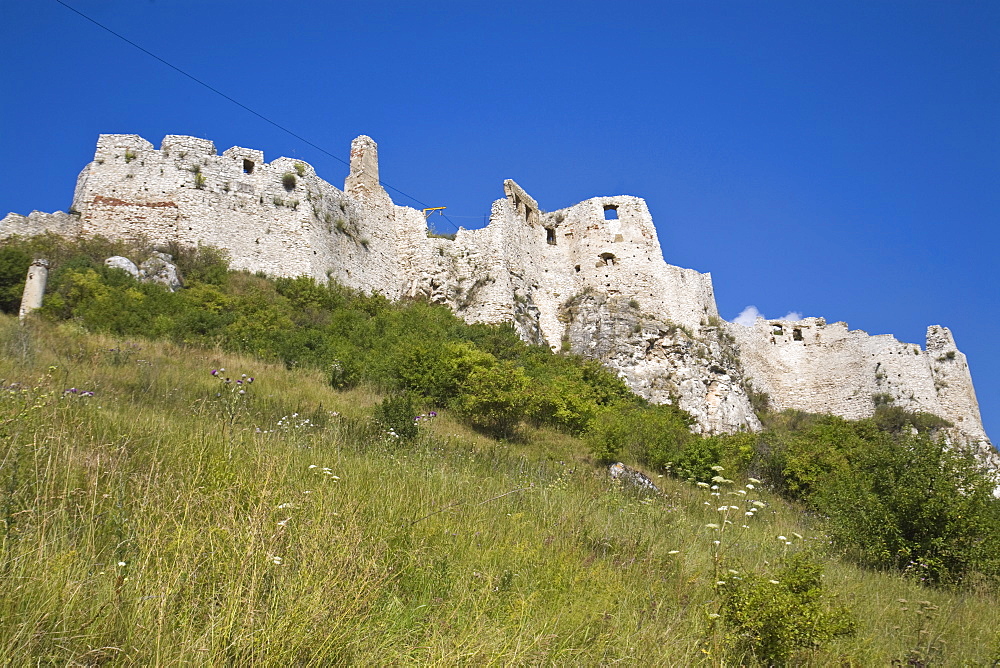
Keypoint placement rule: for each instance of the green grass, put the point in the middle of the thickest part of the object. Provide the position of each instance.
(455, 549)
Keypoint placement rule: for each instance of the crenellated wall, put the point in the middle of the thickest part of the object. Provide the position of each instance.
(590, 278)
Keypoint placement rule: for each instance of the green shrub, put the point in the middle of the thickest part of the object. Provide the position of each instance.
(655, 436)
(901, 421)
(917, 506)
(14, 264)
(288, 180)
(771, 618)
(396, 415)
(495, 398)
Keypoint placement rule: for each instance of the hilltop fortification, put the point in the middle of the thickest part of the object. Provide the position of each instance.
(589, 278)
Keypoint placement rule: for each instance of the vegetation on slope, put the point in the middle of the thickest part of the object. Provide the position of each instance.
(154, 512)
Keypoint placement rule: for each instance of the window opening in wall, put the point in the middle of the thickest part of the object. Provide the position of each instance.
(776, 330)
(550, 236)
(248, 166)
(609, 259)
(610, 212)
(797, 334)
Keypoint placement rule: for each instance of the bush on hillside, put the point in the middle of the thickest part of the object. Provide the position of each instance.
(396, 416)
(14, 263)
(770, 619)
(495, 398)
(918, 506)
(655, 436)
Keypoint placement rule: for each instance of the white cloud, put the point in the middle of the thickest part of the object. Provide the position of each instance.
(749, 315)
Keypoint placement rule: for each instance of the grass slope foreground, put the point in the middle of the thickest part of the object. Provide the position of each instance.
(196, 496)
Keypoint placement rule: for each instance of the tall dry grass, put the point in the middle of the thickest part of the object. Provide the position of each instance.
(168, 519)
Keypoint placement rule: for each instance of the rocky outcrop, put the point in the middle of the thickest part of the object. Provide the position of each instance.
(663, 362)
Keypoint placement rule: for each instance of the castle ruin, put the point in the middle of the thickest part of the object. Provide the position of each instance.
(589, 278)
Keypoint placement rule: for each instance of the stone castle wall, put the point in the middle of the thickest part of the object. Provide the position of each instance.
(590, 278)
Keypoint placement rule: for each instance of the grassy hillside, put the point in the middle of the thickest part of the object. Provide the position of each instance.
(154, 514)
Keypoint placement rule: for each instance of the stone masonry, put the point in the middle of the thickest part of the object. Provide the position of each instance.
(589, 278)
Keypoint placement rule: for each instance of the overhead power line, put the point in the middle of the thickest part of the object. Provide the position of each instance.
(233, 100)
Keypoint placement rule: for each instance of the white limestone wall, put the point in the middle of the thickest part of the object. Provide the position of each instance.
(187, 193)
(523, 267)
(813, 366)
(622, 257)
(38, 222)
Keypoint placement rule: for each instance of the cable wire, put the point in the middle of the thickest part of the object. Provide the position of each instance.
(236, 102)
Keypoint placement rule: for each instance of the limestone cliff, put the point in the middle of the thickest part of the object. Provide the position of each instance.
(589, 278)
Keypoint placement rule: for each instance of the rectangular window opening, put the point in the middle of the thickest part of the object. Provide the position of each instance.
(610, 212)
(550, 236)
(248, 166)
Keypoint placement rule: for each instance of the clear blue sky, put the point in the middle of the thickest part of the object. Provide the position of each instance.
(839, 159)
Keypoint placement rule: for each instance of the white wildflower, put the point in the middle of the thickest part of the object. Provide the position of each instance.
(782, 538)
